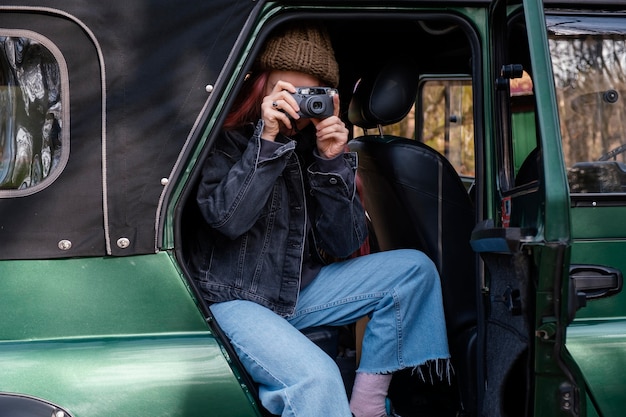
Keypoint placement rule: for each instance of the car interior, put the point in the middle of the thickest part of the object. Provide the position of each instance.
(414, 197)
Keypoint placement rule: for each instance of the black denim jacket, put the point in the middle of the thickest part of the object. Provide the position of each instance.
(260, 209)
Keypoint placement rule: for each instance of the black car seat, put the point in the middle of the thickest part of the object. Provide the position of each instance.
(415, 199)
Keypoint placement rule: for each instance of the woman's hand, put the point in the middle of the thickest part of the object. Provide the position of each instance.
(278, 107)
(332, 134)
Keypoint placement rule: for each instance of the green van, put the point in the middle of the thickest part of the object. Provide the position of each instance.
(502, 157)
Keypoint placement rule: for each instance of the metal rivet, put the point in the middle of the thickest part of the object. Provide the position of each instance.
(123, 242)
(209, 88)
(58, 413)
(65, 244)
(164, 181)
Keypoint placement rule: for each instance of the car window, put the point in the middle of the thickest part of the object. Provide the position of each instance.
(446, 121)
(588, 57)
(443, 119)
(32, 106)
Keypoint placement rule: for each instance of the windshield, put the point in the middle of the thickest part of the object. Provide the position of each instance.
(589, 62)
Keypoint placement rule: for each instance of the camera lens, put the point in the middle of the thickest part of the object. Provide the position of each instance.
(315, 106)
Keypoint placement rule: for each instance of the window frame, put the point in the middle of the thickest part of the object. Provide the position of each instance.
(65, 111)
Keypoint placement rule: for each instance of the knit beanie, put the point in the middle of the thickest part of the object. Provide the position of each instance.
(303, 48)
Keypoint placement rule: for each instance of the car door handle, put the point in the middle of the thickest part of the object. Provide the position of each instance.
(595, 281)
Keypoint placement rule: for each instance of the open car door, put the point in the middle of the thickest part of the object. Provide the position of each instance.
(526, 243)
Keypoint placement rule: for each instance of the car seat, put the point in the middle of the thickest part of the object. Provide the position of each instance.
(415, 199)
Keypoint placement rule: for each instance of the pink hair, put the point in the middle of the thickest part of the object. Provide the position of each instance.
(247, 106)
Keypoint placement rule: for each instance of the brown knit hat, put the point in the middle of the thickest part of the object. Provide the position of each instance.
(303, 48)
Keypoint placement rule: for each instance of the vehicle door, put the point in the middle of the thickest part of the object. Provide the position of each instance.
(525, 239)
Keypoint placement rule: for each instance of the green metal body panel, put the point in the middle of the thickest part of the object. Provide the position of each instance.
(597, 338)
(124, 333)
(148, 375)
(95, 297)
(592, 223)
(599, 348)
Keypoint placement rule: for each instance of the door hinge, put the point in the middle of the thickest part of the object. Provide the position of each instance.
(568, 399)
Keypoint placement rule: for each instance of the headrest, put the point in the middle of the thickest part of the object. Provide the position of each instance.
(384, 97)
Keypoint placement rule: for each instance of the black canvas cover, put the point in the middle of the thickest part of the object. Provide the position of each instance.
(136, 77)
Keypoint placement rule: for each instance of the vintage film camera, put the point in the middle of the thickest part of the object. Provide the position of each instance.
(315, 102)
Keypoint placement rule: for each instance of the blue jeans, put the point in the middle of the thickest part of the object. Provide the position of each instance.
(400, 292)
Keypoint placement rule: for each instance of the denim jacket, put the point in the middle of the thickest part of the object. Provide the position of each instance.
(265, 217)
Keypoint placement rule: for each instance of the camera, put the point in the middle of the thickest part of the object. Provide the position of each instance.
(316, 102)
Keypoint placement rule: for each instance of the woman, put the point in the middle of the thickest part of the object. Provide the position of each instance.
(282, 218)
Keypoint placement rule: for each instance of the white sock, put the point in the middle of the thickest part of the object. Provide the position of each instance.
(369, 394)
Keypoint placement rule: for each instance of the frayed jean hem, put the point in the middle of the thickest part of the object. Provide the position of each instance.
(430, 371)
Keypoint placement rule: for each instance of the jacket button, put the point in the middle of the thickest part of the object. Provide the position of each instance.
(333, 181)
